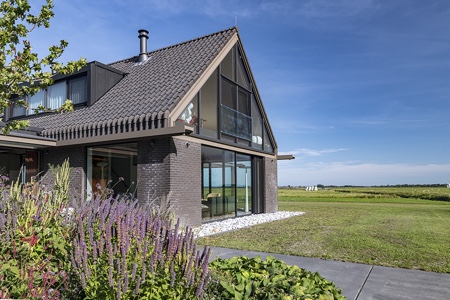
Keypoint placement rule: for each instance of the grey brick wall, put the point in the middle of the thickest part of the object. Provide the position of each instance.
(185, 181)
(153, 169)
(271, 185)
(169, 165)
(76, 155)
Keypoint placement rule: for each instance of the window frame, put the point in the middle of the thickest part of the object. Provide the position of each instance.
(236, 94)
(46, 101)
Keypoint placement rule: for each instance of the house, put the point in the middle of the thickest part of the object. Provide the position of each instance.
(186, 119)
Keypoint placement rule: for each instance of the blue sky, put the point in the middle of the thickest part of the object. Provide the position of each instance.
(357, 90)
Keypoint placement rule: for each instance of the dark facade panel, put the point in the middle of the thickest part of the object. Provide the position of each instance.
(103, 78)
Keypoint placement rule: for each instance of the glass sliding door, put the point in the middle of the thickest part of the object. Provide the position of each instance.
(213, 205)
(229, 183)
(244, 184)
(229, 190)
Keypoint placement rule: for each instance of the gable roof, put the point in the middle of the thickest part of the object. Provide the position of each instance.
(149, 96)
(148, 92)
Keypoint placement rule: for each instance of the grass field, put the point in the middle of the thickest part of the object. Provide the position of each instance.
(380, 226)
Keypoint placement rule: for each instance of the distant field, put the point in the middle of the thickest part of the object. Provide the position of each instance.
(381, 226)
(439, 194)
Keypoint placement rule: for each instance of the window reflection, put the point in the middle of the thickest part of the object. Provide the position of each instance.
(113, 167)
(190, 113)
(244, 184)
(227, 184)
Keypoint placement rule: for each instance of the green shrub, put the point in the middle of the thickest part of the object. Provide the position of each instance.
(54, 246)
(33, 239)
(254, 278)
(122, 250)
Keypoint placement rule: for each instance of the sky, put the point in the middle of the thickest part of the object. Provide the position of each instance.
(357, 90)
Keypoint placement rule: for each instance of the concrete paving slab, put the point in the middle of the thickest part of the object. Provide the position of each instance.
(392, 283)
(364, 282)
(350, 277)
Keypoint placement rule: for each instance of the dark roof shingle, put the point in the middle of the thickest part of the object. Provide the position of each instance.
(156, 86)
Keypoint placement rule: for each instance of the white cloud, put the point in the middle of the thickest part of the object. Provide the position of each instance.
(312, 152)
(358, 173)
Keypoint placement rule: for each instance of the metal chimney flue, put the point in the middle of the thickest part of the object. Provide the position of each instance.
(143, 37)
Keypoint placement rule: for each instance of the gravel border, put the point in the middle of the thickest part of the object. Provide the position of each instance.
(241, 222)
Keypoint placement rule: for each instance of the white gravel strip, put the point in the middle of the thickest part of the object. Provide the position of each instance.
(241, 222)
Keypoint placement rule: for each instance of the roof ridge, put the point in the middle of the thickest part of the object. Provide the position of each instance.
(234, 28)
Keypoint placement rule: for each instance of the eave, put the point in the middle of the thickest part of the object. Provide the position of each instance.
(179, 129)
(25, 141)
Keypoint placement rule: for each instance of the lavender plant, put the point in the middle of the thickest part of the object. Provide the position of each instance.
(104, 248)
(123, 250)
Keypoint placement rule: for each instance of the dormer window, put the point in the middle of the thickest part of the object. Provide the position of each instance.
(75, 89)
(78, 90)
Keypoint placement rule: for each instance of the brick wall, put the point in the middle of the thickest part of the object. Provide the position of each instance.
(186, 180)
(169, 165)
(76, 155)
(271, 185)
(153, 167)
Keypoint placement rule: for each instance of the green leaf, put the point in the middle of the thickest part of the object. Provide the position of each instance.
(248, 290)
(238, 296)
(228, 287)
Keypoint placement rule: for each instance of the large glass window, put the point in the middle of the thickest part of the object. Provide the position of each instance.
(257, 126)
(190, 113)
(244, 102)
(113, 167)
(35, 101)
(228, 65)
(236, 123)
(229, 180)
(78, 89)
(213, 194)
(267, 143)
(18, 110)
(75, 89)
(227, 186)
(235, 112)
(228, 94)
(242, 77)
(226, 109)
(56, 95)
(244, 184)
(209, 107)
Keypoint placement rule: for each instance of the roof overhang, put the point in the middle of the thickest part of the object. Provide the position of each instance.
(25, 141)
(285, 157)
(178, 129)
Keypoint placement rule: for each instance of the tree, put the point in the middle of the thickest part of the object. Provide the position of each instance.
(22, 72)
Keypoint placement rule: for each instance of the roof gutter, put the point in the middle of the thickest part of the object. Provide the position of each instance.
(25, 141)
(179, 129)
(285, 157)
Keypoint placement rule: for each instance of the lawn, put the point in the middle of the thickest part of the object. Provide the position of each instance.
(366, 225)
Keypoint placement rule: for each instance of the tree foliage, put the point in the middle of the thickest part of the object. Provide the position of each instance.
(22, 71)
